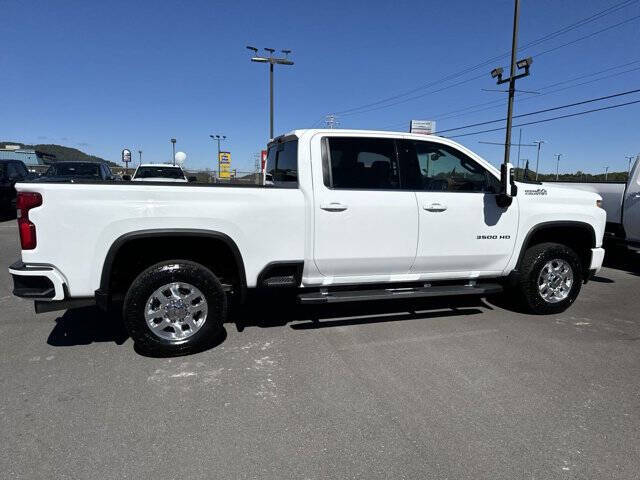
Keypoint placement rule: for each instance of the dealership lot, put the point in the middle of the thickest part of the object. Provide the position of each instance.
(450, 389)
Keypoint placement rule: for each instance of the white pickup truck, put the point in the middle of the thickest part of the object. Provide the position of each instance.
(621, 201)
(352, 215)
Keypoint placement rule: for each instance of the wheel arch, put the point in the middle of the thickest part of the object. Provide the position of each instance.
(582, 238)
(168, 234)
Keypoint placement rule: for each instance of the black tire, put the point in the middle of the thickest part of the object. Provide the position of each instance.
(534, 260)
(153, 278)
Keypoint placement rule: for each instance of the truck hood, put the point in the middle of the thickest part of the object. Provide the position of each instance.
(559, 193)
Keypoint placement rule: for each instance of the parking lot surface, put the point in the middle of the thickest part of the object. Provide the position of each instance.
(450, 389)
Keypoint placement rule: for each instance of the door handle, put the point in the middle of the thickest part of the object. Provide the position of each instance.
(333, 207)
(435, 207)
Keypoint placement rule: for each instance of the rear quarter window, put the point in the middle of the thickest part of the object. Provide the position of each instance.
(282, 163)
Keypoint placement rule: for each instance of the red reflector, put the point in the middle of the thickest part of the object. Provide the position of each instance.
(25, 201)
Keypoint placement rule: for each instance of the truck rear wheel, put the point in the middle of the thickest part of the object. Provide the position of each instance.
(175, 307)
(550, 278)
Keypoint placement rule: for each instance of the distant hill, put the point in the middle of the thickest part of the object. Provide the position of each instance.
(61, 152)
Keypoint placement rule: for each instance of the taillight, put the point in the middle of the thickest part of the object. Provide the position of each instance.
(25, 201)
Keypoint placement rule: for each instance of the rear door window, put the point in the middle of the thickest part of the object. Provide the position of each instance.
(361, 163)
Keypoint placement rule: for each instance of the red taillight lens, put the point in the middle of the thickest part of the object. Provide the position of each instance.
(25, 201)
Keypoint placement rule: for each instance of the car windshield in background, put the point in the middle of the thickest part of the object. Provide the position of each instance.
(159, 172)
(74, 170)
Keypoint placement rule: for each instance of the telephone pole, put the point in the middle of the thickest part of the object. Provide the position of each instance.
(538, 142)
(139, 157)
(173, 158)
(332, 121)
(630, 158)
(523, 64)
(558, 155)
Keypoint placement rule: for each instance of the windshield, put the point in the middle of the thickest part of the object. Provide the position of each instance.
(159, 172)
(74, 170)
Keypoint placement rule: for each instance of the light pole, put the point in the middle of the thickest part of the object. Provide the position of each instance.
(606, 173)
(271, 60)
(173, 156)
(538, 142)
(558, 155)
(218, 138)
(139, 157)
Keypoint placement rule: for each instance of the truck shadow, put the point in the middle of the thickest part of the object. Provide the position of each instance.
(87, 325)
(83, 326)
(622, 259)
(266, 311)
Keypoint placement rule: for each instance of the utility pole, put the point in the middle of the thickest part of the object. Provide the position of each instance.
(139, 157)
(523, 64)
(173, 157)
(558, 155)
(538, 142)
(519, 142)
(271, 60)
(218, 138)
(630, 158)
(606, 173)
(332, 121)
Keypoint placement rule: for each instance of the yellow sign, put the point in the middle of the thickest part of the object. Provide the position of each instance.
(224, 164)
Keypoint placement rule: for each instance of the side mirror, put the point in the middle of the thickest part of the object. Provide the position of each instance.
(126, 178)
(508, 188)
(192, 179)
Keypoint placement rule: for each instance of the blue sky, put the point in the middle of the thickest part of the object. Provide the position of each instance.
(102, 76)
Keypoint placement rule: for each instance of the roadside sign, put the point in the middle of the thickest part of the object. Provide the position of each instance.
(423, 127)
(224, 164)
(126, 155)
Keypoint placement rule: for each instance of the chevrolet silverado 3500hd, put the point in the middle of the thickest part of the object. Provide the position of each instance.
(351, 216)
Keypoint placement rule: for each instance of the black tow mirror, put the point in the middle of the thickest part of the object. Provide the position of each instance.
(126, 178)
(508, 188)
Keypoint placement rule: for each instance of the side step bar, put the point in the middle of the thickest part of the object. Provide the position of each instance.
(341, 296)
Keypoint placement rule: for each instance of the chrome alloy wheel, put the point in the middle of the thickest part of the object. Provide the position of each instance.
(555, 280)
(176, 311)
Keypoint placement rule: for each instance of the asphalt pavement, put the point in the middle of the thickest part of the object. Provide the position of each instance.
(432, 390)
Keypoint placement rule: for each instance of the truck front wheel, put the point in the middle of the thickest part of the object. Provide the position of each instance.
(175, 307)
(550, 278)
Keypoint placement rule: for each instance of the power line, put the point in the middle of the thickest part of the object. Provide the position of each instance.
(448, 115)
(545, 38)
(542, 111)
(550, 119)
(499, 103)
(405, 100)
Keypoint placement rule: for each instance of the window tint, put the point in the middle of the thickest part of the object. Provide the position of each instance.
(364, 163)
(282, 163)
(435, 167)
(159, 172)
(14, 172)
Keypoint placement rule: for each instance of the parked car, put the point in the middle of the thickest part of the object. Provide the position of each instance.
(622, 204)
(352, 215)
(11, 172)
(76, 171)
(159, 173)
